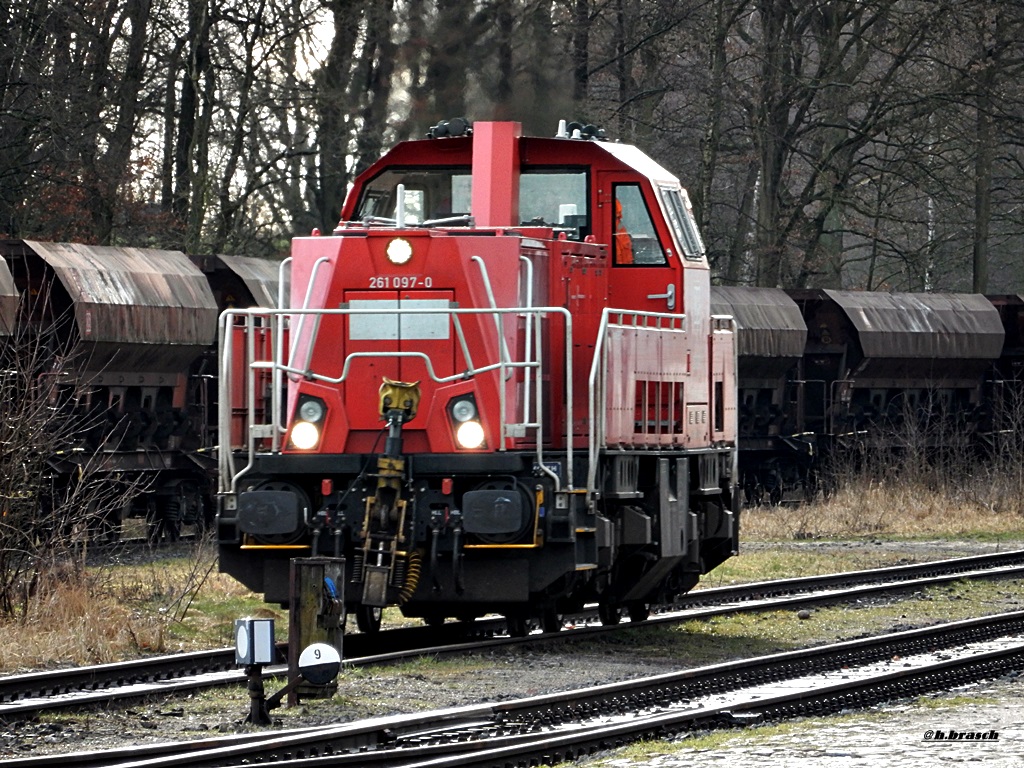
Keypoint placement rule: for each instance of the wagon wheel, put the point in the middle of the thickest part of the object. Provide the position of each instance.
(517, 626)
(104, 526)
(164, 521)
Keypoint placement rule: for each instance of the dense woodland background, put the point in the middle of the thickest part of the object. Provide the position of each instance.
(869, 144)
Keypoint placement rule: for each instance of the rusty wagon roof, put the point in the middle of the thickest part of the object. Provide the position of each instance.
(260, 276)
(133, 295)
(768, 322)
(943, 326)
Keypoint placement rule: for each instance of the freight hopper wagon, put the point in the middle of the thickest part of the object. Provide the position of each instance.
(9, 297)
(119, 342)
(1003, 434)
(776, 452)
(498, 387)
(895, 372)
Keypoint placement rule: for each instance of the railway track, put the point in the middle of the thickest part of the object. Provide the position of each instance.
(564, 726)
(26, 695)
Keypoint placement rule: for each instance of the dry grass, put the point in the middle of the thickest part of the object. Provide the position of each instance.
(889, 509)
(79, 615)
(73, 624)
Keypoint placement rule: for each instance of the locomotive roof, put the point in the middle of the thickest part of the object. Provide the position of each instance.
(533, 151)
(923, 325)
(768, 322)
(8, 300)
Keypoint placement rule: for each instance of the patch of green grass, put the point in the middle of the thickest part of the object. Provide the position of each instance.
(701, 642)
(786, 563)
(783, 629)
(442, 666)
(786, 560)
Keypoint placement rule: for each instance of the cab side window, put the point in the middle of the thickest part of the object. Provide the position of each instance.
(634, 238)
(555, 198)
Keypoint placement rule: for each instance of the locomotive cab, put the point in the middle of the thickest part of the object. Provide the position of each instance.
(503, 389)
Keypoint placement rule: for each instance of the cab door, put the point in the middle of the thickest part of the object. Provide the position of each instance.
(645, 270)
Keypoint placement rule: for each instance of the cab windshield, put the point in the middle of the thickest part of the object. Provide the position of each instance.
(554, 198)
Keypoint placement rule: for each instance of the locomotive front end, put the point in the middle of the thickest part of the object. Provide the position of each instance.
(414, 383)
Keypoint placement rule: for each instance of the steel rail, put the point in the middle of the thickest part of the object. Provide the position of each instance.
(562, 726)
(23, 695)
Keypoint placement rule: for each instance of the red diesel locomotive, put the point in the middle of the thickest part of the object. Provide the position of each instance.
(497, 387)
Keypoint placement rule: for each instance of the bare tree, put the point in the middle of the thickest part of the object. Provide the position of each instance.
(50, 508)
(829, 142)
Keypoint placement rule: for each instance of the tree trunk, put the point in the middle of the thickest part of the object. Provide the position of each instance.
(581, 53)
(983, 160)
(198, 53)
(373, 79)
(333, 108)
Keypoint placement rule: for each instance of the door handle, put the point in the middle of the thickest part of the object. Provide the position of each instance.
(669, 295)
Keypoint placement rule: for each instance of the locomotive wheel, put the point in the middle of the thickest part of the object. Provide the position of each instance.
(551, 620)
(609, 614)
(638, 612)
(517, 626)
(368, 618)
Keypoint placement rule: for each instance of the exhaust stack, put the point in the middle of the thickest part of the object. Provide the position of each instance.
(496, 174)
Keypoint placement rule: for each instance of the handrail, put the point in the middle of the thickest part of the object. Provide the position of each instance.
(599, 371)
(278, 377)
(225, 456)
(528, 335)
(279, 369)
(494, 305)
(304, 310)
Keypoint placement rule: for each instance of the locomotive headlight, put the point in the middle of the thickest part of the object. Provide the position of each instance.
(311, 410)
(305, 435)
(463, 410)
(399, 251)
(465, 420)
(470, 434)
